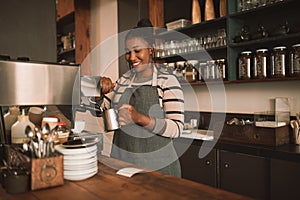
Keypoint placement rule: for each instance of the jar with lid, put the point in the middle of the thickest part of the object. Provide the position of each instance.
(245, 64)
(260, 63)
(191, 72)
(295, 60)
(278, 59)
(61, 132)
(221, 69)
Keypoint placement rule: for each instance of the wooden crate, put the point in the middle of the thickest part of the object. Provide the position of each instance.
(248, 134)
(47, 172)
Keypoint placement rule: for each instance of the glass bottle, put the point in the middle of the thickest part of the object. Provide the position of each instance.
(18, 135)
(9, 119)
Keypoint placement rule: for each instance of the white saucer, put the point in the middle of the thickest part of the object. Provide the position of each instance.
(72, 151)
(80, 156)
(80, 167)
(81, 162)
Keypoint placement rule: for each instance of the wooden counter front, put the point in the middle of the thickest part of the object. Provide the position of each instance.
(106, 184)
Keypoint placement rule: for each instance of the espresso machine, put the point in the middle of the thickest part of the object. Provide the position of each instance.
(30, 83)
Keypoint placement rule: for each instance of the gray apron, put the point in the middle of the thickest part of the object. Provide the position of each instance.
(136, 144)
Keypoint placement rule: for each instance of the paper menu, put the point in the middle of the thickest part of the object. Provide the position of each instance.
(129, 171)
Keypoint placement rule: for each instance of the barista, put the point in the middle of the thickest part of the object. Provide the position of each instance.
(150, 106)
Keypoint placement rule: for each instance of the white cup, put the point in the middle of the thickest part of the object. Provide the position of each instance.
(79, 126)
(35, 115)
(194, 123)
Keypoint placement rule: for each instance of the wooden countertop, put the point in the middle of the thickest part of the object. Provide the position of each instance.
(106, 184)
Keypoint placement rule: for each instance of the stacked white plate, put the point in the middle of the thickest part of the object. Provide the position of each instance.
(79, 163)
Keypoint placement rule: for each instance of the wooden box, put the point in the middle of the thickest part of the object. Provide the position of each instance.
(47, 172)
(249, 134)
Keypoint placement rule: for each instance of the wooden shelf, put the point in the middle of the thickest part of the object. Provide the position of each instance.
(214, 82)
(67, 51)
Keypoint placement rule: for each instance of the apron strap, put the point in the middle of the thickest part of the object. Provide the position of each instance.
(154, 77)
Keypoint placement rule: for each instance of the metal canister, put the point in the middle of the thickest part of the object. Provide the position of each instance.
(245, 64)
(260, 63)
(295, 60)
(279, 61)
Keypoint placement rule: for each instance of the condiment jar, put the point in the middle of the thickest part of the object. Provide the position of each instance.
(295, 60)
(260, 63)
(279, 61)
(221, 69)
(62, 132)
(245, 64)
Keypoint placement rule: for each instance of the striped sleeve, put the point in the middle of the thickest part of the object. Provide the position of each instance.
(172, 101)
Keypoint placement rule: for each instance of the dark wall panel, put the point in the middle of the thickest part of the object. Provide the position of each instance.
(28, 29)
(129, 13)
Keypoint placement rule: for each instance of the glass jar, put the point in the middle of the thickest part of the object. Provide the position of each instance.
(191, 72)
(221, 69)
(203, 74)
(211, 64)
(279, 61)
(245, 64)
(260, 63)
(295, 60)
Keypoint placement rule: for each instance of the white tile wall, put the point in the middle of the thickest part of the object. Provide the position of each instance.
(242, 98)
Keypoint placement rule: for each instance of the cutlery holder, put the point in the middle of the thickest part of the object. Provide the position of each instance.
(47, 172)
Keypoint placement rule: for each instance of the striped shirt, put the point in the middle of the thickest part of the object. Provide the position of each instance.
(171, 100)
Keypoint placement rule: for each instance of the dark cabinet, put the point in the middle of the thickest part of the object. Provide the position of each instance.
(240, 173)
(244, 174)
(285, 176)
(203, 170)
